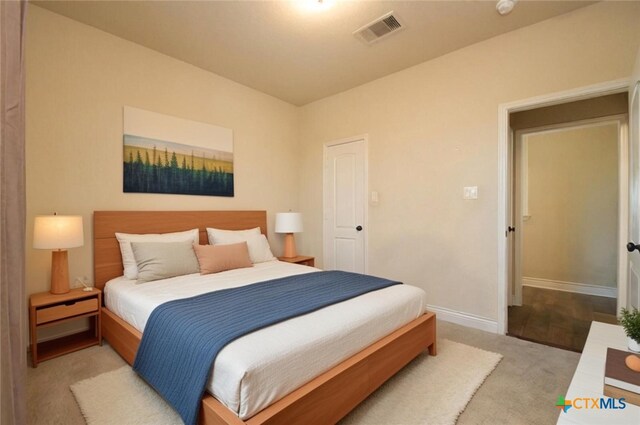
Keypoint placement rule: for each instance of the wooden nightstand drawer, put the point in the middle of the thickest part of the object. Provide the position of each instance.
(62, 311)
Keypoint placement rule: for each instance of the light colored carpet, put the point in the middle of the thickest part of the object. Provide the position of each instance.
(522, 390)
(430, 390)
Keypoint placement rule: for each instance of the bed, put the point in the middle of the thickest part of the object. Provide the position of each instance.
(325, 398)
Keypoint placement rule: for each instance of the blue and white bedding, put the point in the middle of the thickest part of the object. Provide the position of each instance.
(183, 337)
(292, 352)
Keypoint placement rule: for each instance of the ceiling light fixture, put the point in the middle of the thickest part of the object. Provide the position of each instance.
(316, 5)
(504, 7)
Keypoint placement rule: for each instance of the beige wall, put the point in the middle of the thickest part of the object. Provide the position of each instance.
(636, 68)
(433, 129)
(78, 80)
(572, 232)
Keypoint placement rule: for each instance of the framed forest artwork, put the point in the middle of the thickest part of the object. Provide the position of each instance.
(164, 154)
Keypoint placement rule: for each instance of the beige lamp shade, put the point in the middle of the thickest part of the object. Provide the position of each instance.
(289, 222)
(58, 232)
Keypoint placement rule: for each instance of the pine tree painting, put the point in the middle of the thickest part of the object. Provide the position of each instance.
(178, 169)
(153, 165)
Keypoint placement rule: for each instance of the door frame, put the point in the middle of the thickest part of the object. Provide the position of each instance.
(504, 135)
(634, 127)
(325, 229)
(521, 209)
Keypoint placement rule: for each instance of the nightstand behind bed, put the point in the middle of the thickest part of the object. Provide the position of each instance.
(300, 259)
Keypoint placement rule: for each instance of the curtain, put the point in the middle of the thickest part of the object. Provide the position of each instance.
(13, 361)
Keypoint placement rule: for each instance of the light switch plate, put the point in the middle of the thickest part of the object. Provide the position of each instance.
(470, 192)
(374, 198)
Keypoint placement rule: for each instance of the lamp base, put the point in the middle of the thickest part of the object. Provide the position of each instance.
(289, 246)
(59, 272)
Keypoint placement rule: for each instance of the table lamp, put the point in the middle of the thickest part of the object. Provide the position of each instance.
(289, 223)
(58, 232)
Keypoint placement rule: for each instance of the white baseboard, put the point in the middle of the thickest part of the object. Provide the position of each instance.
(464, 319)
(579, 288)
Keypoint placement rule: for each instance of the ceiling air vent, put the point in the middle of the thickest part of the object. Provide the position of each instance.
(382, 27)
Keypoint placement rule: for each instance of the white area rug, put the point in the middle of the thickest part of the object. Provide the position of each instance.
(120, 397)
(430, 390)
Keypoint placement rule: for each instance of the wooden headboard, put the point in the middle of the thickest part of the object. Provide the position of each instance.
(107, 261)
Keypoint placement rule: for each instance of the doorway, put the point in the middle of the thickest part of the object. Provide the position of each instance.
(345, 205)
(565, 218)
(505, 145)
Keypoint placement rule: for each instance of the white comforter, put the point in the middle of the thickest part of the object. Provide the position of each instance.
(258, 369)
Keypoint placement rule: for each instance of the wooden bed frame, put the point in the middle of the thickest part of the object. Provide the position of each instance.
(323, 400)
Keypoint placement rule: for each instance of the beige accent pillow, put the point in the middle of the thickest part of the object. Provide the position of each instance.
(162, 260)
(218, 258)
(128, 259)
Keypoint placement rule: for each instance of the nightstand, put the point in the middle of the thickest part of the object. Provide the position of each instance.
(47, 309)
(300, 259)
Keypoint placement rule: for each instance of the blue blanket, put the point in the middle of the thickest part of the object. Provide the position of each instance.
(183, 337)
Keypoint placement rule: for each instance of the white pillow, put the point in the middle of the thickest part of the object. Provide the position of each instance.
(129, 260)
(259, 250)
(226, 237)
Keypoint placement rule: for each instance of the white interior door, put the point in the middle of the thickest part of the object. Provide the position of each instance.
(633, 258)
(344, 206)
(518, 188)
(511, 194)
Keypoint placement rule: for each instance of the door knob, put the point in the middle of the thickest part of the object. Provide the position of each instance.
(358, 228)
(511, 229)
(632, 247)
